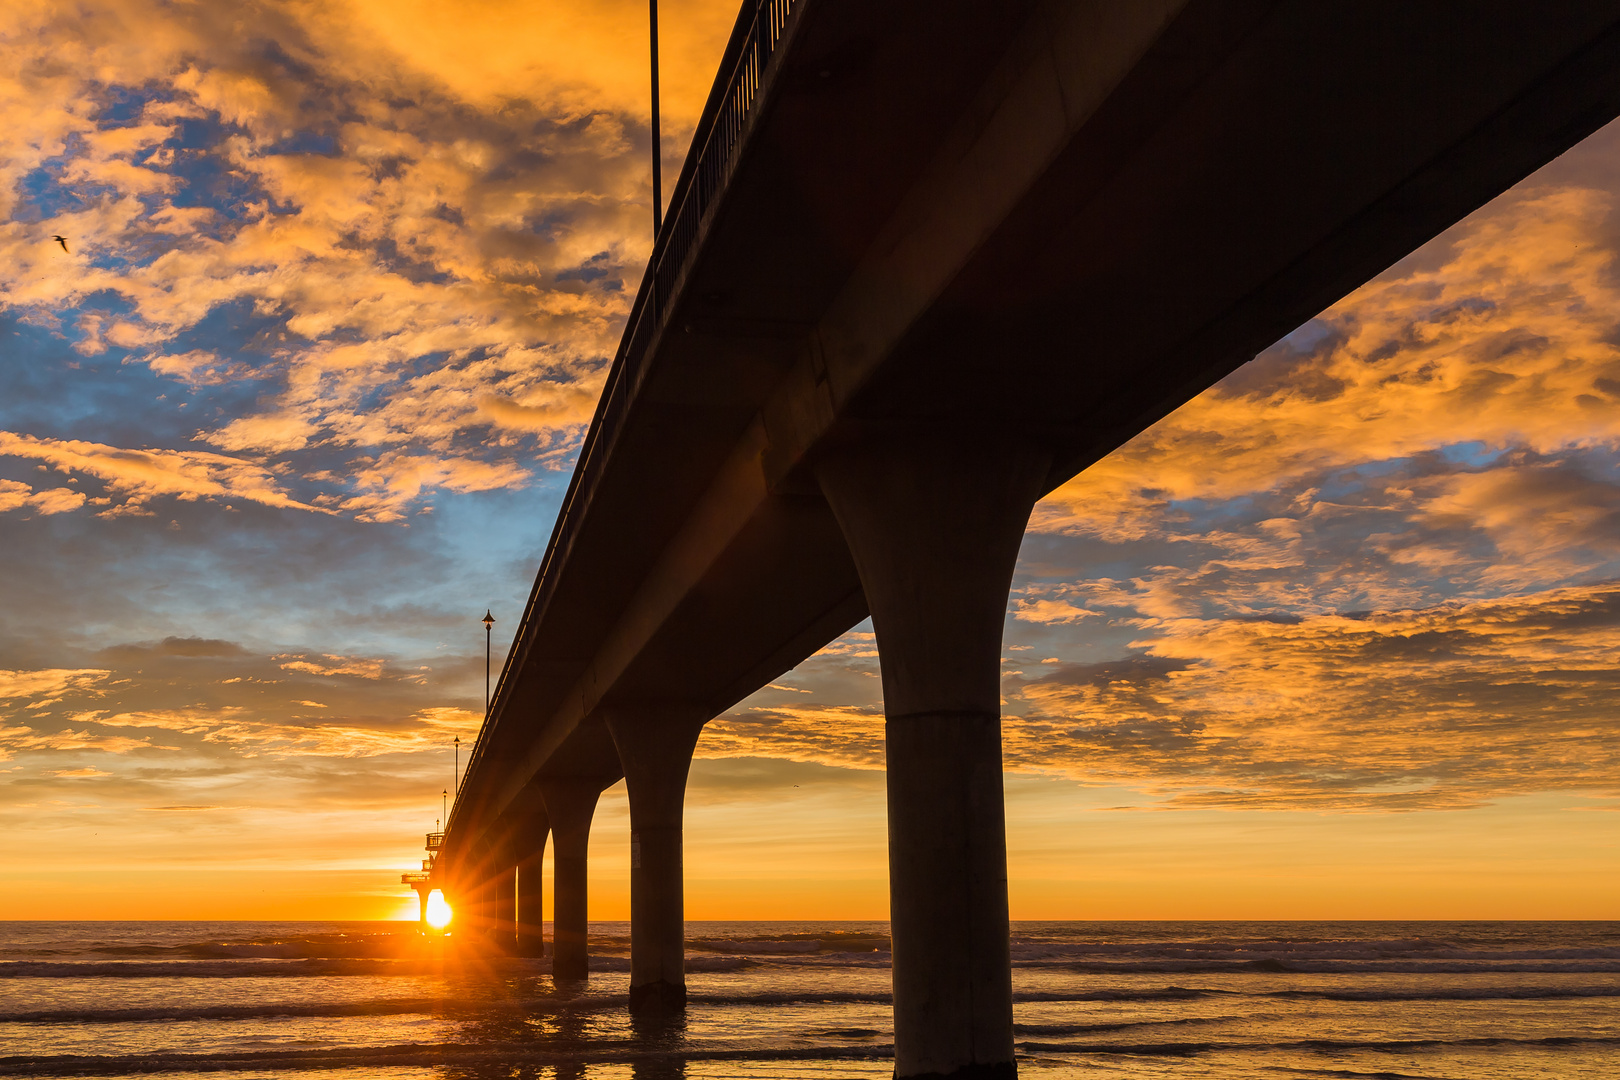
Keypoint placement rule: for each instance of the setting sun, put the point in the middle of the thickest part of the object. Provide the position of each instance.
(438, 912)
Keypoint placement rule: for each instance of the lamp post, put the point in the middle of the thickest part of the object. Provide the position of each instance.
(657, 140)
(456, 776)
(489, 626)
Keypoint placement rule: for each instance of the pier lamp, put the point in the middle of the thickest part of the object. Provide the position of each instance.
(489, 626)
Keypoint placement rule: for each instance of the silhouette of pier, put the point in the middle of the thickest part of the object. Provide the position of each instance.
(924, 263)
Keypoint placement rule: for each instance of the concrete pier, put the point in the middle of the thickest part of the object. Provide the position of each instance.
(570, 805)
(934, 523)
(529, 845)
(655, 744)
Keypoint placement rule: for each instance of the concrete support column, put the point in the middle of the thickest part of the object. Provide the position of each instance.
(570, 804)
(421, 908)
(529, 844)
(502, 910)
(464, 892)
(934, 524)
(486, 892)
(655, 744)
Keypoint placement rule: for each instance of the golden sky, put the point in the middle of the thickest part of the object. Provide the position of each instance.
(1337, 639)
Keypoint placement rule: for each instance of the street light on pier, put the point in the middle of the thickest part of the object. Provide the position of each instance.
(489, 626)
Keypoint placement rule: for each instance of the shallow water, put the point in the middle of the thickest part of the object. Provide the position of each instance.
(1218, 1000)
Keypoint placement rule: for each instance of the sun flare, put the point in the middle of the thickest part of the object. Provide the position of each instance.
(438, 911)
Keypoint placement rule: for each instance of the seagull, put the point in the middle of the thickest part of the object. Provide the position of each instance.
(63, 241)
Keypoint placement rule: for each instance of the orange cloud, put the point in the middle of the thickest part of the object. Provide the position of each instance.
(361, 667)
(1049, 611)
(1446, 706)
(15, 495)
(395, 480)
(847, 735)
(431, 268)
(49, 683)
(576, 59)
(1503, 340)
(424, 730)
(13, 739)
(141, 475)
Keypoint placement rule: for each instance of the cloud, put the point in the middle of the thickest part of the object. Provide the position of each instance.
(250, 733)
(391, 483)
(273, 433)
(139, 476)
(15, 495)
(846, 735)
(196, 367)
(49, 683)
(404, 255)
(13, 739)
(1443, 707)
(1049, 611)
(1498, 333)
(330, 665)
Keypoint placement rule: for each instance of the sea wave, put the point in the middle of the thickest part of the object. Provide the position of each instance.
(508, 1055)
(206, 969)
(1188, 1049)
(553, 1004)
(504, 1055)
(1335, 949)
(1326, 967)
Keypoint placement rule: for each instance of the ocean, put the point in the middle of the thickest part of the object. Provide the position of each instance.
(1211, 1000)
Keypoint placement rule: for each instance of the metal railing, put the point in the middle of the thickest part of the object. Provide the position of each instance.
(762, 28)
(434, 839)
(414, 877)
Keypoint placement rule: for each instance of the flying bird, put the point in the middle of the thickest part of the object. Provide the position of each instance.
(63, 241)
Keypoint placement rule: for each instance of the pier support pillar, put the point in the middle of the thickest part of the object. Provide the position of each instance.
(934, 523)
(501, 905)
(529, 845)
(655, 744)
(421, 906)
(487, 894)
(570, 804)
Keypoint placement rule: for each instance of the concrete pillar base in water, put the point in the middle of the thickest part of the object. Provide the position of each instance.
(655, 744)
(934, 524)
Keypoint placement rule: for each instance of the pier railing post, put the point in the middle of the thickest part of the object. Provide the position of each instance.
(570, 804)
(655, 745)
(934, 523)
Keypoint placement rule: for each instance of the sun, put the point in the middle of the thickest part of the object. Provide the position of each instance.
(438, 912)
